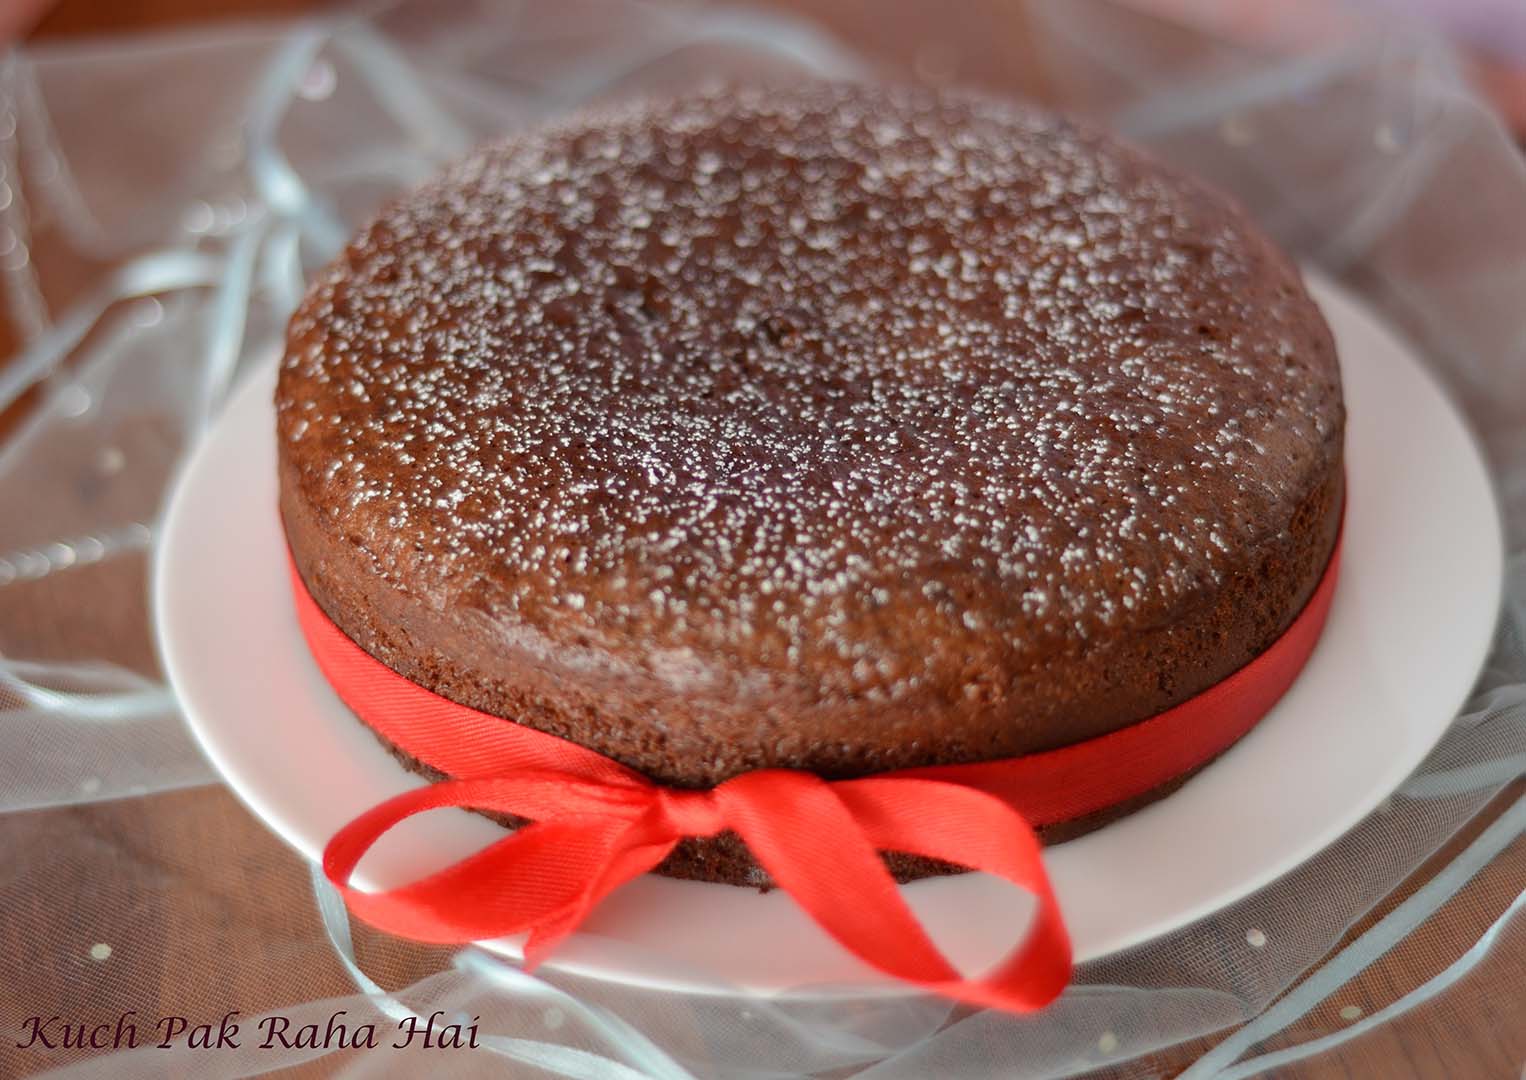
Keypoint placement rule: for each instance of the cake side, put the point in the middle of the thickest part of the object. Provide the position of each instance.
(686, 739)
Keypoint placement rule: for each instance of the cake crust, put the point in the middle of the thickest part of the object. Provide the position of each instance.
(837, 428)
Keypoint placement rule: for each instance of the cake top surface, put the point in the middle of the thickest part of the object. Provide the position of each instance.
(860, 384)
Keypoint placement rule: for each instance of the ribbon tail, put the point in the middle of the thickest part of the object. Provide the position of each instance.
(798, 828)
(821, 843)
(966, 826)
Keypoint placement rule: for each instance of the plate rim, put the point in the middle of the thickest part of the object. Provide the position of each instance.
(173, 658)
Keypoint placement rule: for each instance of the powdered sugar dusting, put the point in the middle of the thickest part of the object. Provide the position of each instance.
(812, 379)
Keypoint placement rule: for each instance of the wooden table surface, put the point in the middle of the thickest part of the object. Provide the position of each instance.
(984, 44)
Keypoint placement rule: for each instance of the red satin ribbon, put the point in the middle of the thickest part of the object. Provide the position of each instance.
(596, 824)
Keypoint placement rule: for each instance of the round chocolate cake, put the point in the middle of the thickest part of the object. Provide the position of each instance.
(835, 428)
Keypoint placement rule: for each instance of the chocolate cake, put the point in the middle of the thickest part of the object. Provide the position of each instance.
(834, 428)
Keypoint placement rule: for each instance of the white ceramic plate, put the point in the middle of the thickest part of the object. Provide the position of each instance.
(1413, 616)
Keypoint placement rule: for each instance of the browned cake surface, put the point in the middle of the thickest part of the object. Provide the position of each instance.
(835, 429)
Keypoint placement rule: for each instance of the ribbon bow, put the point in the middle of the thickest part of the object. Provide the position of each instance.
(818, 840)
(595, 824)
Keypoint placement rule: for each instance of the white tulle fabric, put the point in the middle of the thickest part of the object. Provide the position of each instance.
(205, 175)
